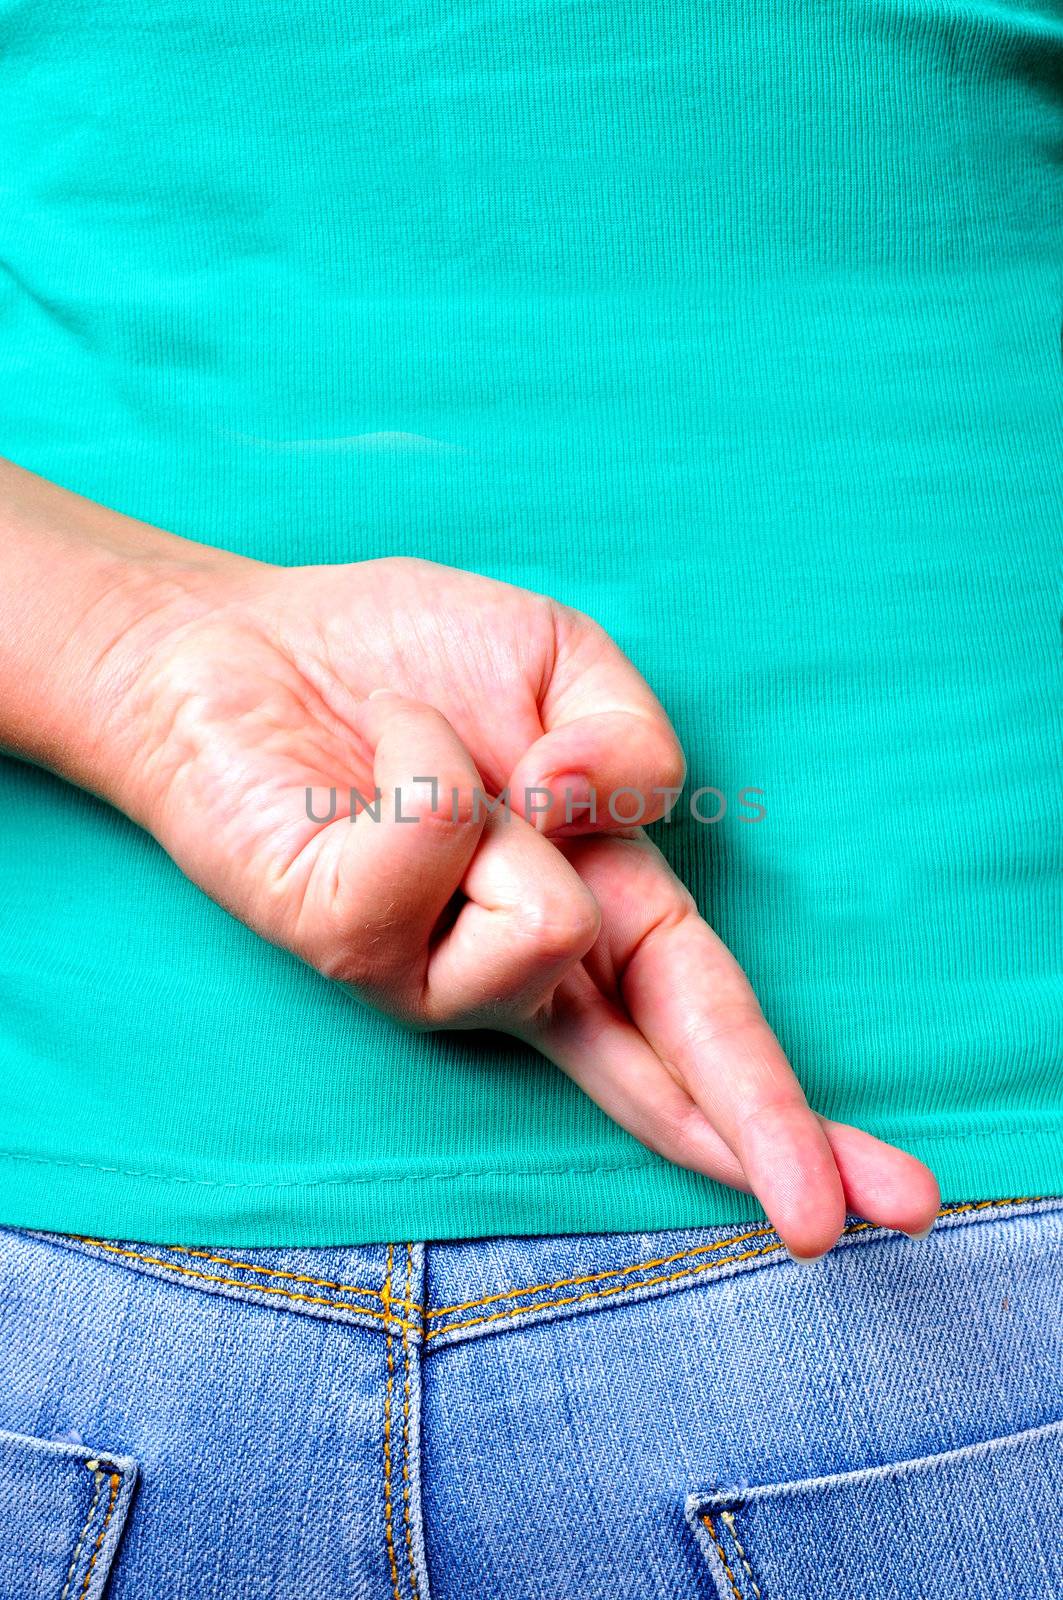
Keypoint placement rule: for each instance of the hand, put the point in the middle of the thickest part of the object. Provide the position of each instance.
(203, 693)
(586, 946)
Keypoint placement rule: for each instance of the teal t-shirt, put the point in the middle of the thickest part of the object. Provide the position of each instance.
(735, 325)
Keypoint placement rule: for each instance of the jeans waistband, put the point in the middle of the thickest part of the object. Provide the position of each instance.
(440, 1292)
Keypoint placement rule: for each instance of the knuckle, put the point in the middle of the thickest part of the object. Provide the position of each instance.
(738, 1023)
(574, 620)
(669, 763)
(465, 807)
(376, 982)
(443, 1012)
(562, 925)
(438, 805)
(344, 964)
(768, 1114)
(680, 1135)
(580, 636)
(365, 960)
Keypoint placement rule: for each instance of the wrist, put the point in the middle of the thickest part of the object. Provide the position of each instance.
(87, 598)
(106, 718)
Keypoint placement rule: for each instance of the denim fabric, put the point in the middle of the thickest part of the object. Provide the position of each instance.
(680, 1414)
(47, 1490)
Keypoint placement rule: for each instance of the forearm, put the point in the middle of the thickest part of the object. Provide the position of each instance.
(85, 593)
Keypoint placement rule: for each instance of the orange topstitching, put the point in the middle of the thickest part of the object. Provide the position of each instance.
(387, 1315)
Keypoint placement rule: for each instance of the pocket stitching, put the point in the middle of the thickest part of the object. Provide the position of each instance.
(728, 1520)
(708, 1524)
(726, 1503)
(115, 1482)
(83, 1534)
(101, 1477)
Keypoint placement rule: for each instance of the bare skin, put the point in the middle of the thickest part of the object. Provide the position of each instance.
(203, 693)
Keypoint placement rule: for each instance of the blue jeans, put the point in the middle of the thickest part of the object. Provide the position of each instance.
(682, 1414)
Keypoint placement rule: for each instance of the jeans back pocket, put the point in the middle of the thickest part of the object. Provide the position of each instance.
(62, 1510)
(969, 1524)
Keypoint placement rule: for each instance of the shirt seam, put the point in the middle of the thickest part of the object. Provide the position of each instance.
(465, 1174)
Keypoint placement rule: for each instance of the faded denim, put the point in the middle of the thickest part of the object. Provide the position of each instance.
(680, 1414)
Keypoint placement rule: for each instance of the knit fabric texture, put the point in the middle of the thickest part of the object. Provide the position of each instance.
(735, 325)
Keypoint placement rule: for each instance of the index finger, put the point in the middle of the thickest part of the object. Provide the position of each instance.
(606, 734)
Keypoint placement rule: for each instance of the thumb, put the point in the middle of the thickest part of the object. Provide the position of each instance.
(609, 755)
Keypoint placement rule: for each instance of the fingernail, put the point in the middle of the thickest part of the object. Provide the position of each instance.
(802, 1261)
(922, 1235)
(378, 694)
